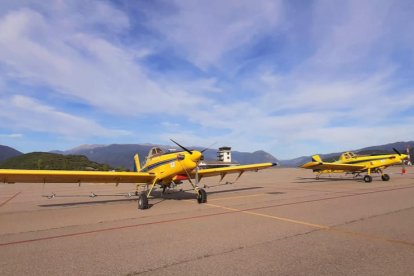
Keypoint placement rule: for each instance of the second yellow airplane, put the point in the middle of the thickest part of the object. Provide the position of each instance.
(350, 162)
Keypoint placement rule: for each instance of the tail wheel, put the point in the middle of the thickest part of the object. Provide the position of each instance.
(385, 177)
(202, 196)
(367, 178)
(143, 201)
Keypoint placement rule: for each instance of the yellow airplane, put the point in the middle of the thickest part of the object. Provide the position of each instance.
(161, 168)
(349, 162)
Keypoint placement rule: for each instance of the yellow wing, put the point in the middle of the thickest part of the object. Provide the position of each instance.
(332, 166)
(233, 169)
(50, 176)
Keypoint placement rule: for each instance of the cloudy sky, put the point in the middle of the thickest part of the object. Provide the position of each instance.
(290, 77)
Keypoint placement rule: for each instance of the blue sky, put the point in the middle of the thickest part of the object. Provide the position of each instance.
(290, 77)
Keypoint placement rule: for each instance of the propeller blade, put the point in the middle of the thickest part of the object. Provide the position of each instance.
(208, 147)
(397, 151)
(187, 150)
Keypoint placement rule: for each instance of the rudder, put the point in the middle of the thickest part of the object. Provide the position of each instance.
(137, 164)
(316, 158)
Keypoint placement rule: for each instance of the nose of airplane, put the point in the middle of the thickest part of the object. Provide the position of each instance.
(404, 156)
(195, 156)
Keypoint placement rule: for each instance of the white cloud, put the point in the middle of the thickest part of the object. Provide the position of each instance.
(11, 136)
(206, 31)
(346, 32)
(76, 62)
(35, 116)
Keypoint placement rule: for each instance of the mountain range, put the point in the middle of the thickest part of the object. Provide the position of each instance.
(121, 155)
(8, 152)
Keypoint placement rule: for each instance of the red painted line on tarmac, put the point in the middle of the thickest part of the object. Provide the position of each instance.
(112, 228)
(191, 218)
(4, 202)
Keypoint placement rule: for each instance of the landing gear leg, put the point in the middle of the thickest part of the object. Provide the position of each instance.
(201, 193)
(143, 197)
(368, 177)
(384, 176)
(137, 189)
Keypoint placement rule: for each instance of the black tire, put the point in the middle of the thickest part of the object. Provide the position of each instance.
(367, 178)
(385, 177)
(143, 201)
(202, 196)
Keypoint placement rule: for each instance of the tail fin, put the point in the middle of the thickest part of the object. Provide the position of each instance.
(316, 158)
(137, 164)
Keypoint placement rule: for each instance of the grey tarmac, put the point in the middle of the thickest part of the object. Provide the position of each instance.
(278, 221)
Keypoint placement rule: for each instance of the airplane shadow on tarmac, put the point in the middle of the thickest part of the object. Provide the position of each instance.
(158, 197)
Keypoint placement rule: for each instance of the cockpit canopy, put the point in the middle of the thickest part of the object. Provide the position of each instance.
(348, 155)
(155, 151)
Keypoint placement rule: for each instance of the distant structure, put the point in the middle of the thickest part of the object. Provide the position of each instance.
(223, 159)
(224, 154)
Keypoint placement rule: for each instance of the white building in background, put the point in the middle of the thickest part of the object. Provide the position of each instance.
(224, 154)
(223, 159)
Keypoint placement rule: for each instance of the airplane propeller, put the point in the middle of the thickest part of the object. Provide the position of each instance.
(197, 179)
(185, 149)
(201, 194)
(399, 153)
(208, 147)
(190, 151)
(403, 161)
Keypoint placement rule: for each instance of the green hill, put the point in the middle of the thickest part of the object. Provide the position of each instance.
(52, 161)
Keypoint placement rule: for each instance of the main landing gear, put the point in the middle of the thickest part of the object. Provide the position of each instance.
(201, 196)
(384, 176)
(143, 196)
(143, 201)
(367, 178)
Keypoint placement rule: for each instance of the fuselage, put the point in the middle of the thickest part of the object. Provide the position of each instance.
(171, 167)
(371, 161)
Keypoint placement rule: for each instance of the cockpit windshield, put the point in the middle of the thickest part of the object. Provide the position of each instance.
(348, 155)
(155, 151)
